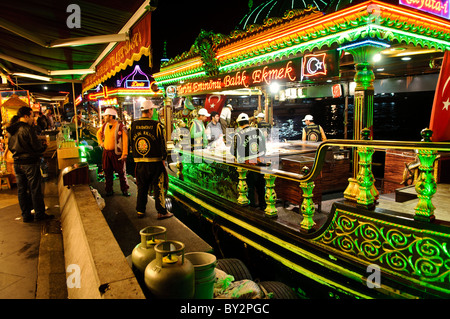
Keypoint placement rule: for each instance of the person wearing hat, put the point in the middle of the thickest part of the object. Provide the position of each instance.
(113, 138)
(312, 132)
(149, 150)
(225, 117)
(198, 131)
(249, 146)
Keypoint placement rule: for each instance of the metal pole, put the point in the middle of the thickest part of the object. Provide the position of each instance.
(346, 111)
(75, 111)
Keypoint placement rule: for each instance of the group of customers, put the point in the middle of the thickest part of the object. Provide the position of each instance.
(215, 132)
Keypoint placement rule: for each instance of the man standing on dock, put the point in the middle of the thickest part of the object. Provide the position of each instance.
(27, 149)
(148, 147)
(113, 138)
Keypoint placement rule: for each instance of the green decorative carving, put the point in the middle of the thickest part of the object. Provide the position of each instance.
(270, 196)
(242, 187)
(417, 255)
(206, 45)
(426, 183)
(217, 178)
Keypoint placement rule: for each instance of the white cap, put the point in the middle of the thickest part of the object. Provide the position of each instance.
(242, 117)
(147, 105)
(261, 115)
(110, 111)
(230, 106)
(204, 112)
(308, 118)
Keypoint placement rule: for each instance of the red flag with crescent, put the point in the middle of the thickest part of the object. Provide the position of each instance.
(214, 102)
(440, 114)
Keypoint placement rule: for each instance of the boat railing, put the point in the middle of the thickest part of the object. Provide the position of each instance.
(361, 189)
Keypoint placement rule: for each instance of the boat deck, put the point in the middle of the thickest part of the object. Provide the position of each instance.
(289, 215)
(441, 200)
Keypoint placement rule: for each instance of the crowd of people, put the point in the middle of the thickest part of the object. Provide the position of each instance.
(146, 142)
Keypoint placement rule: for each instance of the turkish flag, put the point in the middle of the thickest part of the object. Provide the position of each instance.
(440, 114)
(214, 102)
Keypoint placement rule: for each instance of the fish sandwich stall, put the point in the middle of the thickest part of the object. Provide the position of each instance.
(327, 244)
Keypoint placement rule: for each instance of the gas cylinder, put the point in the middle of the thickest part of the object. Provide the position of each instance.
(170, 275)
(144, 252)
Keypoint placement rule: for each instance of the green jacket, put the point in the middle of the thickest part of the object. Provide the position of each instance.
(198, 134)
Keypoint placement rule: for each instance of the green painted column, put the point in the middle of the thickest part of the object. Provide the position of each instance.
(364, 91)
(426, 185)
(307, 208)
(242, 187)
(270, 196)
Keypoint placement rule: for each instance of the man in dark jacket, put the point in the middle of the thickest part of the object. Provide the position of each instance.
(27, 150)
(148, 147)
(249, 146)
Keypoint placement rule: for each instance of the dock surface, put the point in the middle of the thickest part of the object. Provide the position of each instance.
(120, 214)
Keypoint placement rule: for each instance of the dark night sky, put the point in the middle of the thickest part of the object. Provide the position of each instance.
(179, 22)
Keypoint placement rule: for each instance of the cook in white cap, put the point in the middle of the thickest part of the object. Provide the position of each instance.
(198, 131)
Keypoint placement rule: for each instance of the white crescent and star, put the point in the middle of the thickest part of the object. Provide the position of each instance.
(446, 103)
(218, 99)
(317, 65)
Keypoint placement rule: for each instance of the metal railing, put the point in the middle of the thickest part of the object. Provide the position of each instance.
(361, 188)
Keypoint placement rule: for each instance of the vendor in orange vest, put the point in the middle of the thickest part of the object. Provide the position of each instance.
(113, 138)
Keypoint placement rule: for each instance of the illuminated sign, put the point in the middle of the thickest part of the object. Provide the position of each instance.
(314, 64)
(280, 71)
(171, 91)
(136, 79)
(111, 101)
(318, 65)
(137, 84)
(336, 90)
(78, 100)
(436, 7)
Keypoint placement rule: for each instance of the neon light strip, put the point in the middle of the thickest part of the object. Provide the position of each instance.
(309, 25)
(295, 47)
(338, 15)
(413, 35)
(176, 69)
(121, 91)
(341, 14)
(363, 43)
(412, 14)
(271, 35)
(190, 76)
